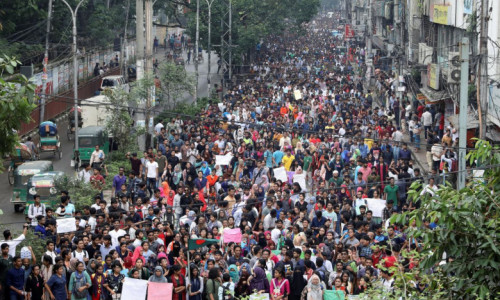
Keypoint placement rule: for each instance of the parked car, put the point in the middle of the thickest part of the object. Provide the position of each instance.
(114, 82)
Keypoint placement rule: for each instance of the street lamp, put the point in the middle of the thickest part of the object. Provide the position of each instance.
(209, 4)
(75, 66)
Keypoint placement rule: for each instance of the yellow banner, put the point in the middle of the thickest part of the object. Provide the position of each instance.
(440, 15)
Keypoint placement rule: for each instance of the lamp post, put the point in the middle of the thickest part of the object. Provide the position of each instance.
(75, 66)
(209, 4)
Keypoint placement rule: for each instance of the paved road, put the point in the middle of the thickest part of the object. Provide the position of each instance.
(12, 220)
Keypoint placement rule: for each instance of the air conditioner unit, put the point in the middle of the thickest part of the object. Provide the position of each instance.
(424, 54)
(454, 63)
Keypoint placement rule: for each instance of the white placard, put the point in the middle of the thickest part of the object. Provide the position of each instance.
(297, 94)
(301, 180)
(223, 160)
(134, 289)
(280, 174)
(376, 206)
(66, 225)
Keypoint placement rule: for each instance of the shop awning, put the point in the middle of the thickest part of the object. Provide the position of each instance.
(472, 121)
(434, 96)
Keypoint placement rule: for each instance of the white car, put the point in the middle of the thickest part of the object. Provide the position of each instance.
(114, 82)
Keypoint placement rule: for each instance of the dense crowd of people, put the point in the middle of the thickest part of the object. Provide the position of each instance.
(307, 109)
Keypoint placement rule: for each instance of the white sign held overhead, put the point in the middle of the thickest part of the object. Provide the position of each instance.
(66, 225)
(223, 160)
(280, 174)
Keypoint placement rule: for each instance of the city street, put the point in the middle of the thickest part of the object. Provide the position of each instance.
(12, 220)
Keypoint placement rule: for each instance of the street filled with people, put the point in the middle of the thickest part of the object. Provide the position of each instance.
(287, 184)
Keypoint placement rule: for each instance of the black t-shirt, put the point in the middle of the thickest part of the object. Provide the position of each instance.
(136, 166)
(34, 284)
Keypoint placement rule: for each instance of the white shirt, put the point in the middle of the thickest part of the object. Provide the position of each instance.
(269, 222)
(152, 168)
(158, 127)
(80, 255)
(92, 222)
(34, 211)
(115, 235)
(85, 175)
(52, 254)
(427, 118)
(13, 244)
(229, 286)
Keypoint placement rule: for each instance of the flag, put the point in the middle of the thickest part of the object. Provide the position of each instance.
(194, 244)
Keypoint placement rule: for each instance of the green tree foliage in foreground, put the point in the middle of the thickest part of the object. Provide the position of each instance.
(16, 104)
(467, 233)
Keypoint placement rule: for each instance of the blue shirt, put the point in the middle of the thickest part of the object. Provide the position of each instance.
(269, 158)
(15, 278)
(118, 181)
(40, 229)
(58, 286)
(278, 156)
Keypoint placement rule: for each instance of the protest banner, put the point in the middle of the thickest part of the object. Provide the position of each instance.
(66, 225)
(134, 289)
(160, 291)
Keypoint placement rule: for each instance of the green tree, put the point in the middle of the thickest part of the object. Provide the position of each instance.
(16, 104)
(467, 233)
(174, 82)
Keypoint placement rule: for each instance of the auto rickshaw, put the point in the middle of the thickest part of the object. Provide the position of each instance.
(22, 175)
(71, 122)
(44, 184)
(88, 138)
(21, 154)
(49, 139)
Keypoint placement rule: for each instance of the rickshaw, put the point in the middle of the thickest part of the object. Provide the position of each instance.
(49, 139)
(22, 175)
(21, 154)
(71, 122)
(88, 138)
(44, 184)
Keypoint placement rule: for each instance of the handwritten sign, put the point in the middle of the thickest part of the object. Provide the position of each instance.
(297, 94)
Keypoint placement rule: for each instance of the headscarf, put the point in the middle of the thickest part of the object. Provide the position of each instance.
(315, 290)
(159, 279)
(138, 254)
(242, 288)
(247, 268)
(72, 264)
(164, 189)
(259, 280)
(176, 178)
(91, 271)
(233, 272)
(298, 281)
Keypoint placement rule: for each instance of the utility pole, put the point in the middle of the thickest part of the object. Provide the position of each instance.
(139, 32)
(482, 77)
(45, 65)
(209, 4)
(139, 64)
(369, 45)
(75, 66)
(123, 62)
(462, 117)
(149, 61)
(196, 49)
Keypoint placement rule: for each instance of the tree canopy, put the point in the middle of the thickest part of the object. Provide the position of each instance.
(455, 236)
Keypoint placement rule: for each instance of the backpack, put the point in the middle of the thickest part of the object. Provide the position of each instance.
(226, 292)
(85, 254)
(78, 283)
(324, 275)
